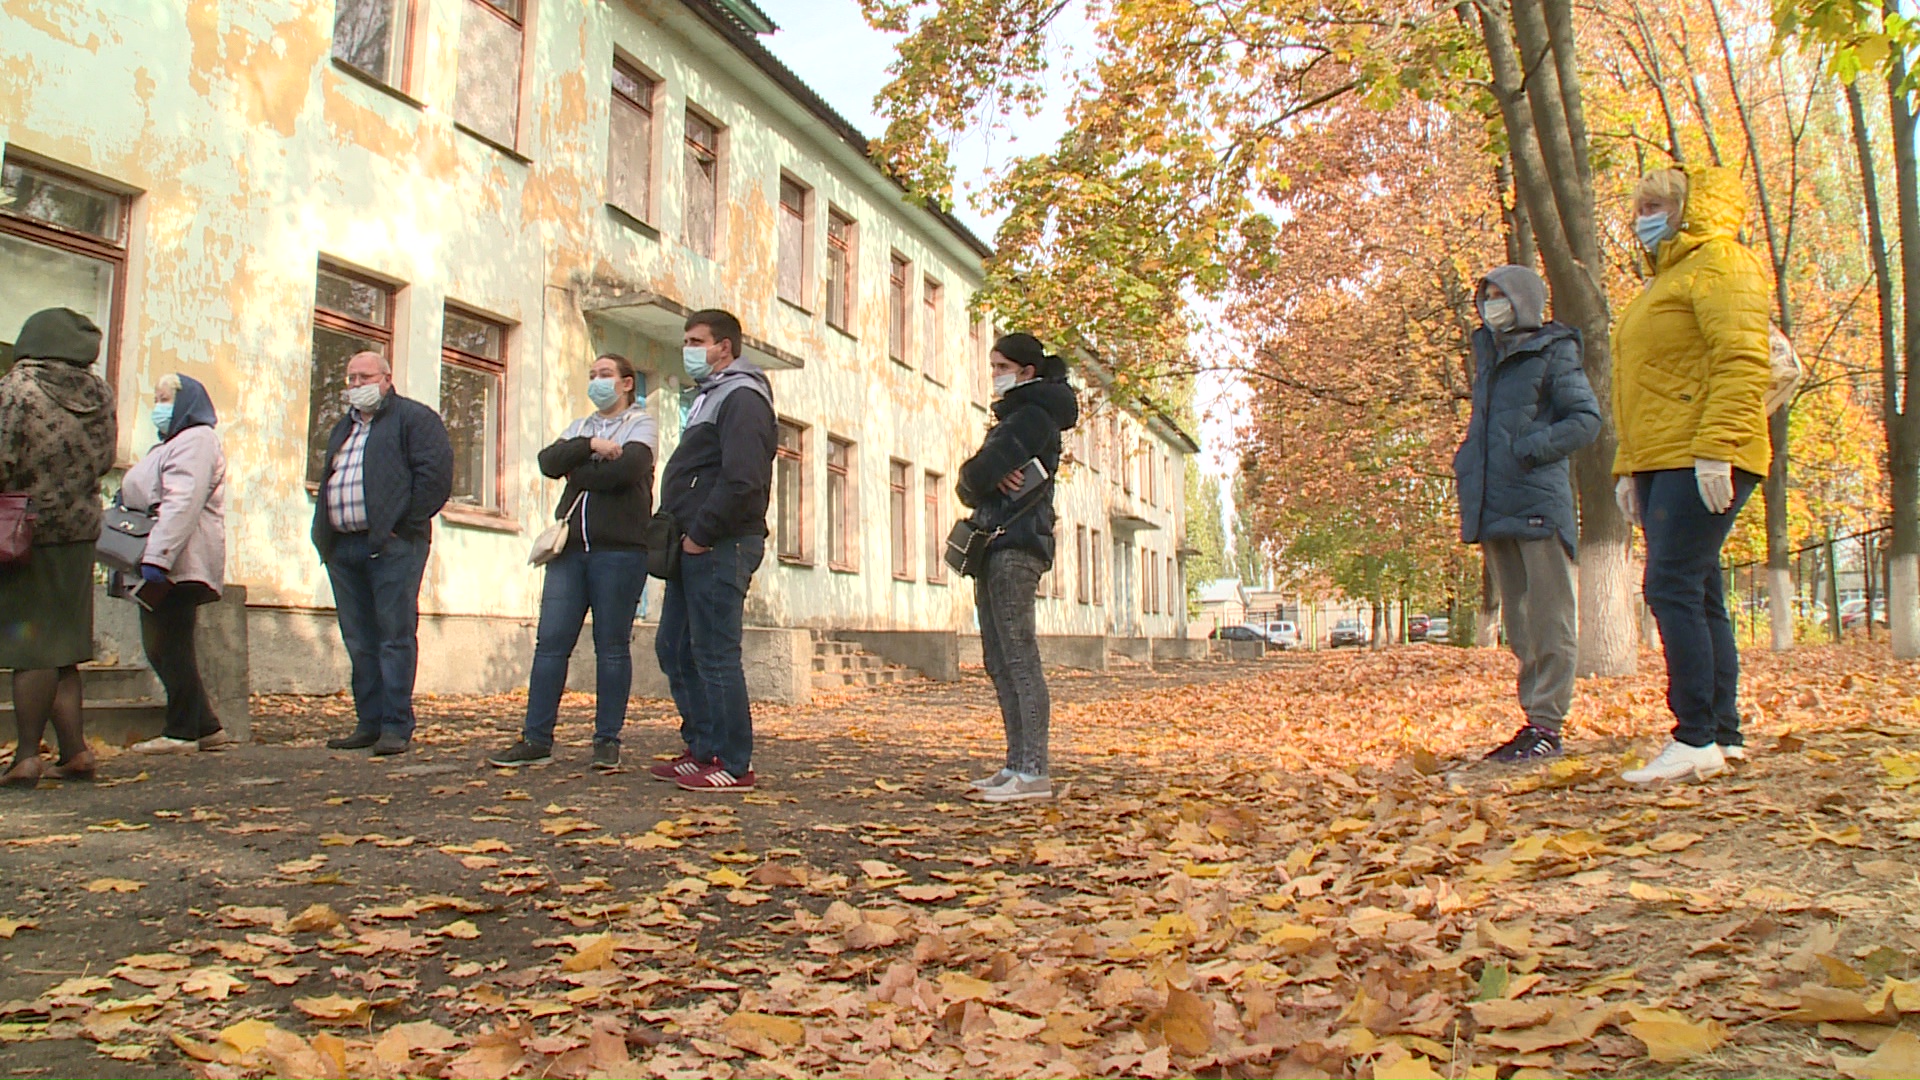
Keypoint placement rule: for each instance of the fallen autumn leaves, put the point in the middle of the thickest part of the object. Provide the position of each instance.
(1256, 872)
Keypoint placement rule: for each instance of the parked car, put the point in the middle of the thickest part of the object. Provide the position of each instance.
(1439, 628)
(1238, 633)
(1347, 632)
(1853, 613)
(1282, 634)
(1417, 628)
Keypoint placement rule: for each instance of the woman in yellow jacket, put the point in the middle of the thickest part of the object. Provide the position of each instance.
(1691, 367)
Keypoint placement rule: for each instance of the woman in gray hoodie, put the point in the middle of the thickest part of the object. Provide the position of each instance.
(184, 482)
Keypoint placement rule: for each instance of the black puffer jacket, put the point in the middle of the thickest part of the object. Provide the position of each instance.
(1532, 408)
(1029, 420)
(616, 496)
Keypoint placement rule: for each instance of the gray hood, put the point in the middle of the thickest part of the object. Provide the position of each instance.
(1527, 291)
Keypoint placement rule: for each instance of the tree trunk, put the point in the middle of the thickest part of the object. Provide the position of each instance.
(1547, 174)
(1903, 419)
(1486, 624)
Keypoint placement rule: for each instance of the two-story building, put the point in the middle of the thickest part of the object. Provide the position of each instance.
(490, 193)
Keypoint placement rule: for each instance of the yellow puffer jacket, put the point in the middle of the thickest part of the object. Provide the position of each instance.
(1691, 358)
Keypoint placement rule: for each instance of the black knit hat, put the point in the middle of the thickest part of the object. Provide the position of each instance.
(58, 334)
(1026, 350)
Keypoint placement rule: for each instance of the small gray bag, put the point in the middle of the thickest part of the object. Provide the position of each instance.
(123, 538)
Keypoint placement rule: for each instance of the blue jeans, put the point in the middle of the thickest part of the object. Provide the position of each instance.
(1686, 593)
(377, 596)
(698, 645)
(607, 583)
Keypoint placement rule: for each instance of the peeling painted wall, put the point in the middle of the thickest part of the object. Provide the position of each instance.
(251, 156)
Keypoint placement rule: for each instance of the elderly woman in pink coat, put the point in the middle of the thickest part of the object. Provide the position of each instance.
(182, 481)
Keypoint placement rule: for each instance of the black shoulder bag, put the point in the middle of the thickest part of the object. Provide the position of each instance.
(968, 541)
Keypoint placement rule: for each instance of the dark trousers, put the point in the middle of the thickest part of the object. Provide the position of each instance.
(698, 645)
(377, 596)
(607, 583)
(1004, 597)
(166, 632)
(1686, 593)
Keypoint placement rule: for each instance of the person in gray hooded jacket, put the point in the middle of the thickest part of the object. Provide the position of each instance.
(1532, 409)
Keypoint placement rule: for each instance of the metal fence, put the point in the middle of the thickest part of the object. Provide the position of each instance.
(1818, 593)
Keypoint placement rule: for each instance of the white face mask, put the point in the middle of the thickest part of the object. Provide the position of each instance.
(1004, 383)
(694, 359)
(1498, 312)
(365, 397)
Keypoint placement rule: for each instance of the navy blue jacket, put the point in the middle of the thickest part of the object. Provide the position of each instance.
(1030, 418)
(1532, 407)
(408, 473)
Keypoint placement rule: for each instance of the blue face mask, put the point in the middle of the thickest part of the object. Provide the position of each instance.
(162, 417)
(602, 392)
(694, 359)
(1652, 229)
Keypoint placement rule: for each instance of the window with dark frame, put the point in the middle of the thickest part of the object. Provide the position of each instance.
(63, 243)
(473, 378)
(842, 519)
(370, 36)
(702, 183)
(841, 260)
(492, 50)
(791, 279)
(935, 535)
(1082, 564)
(790, 492)
(1149, 583)
(1173, 589)
(1099, 583)
(899, 512)
(930, 301)
(897, 267)
(630, 141)
(351, 314)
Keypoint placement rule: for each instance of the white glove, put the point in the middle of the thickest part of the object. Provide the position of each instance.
(1716, 484)
(1628, 498)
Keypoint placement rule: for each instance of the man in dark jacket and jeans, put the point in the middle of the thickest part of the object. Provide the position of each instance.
(1532, 408)
(715, 486)
(389, 470)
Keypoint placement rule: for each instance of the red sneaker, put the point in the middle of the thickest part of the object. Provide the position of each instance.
(682, 766)
(715, 778)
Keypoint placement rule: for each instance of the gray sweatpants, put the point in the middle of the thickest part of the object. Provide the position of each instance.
(1004, 594)
(1540, 610)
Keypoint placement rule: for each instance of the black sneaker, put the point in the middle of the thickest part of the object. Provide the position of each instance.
(1531, 743)
(522, 753)
(606, 756)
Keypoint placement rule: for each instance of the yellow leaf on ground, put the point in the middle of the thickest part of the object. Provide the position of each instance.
(957, 986)
(726, 878)
(1670, 1036)
(596, 953)
(313, 919)
(1404, 1066)
(1840, 973)
(10, 927)
(1501, 1013)
(114, 884)
(759, 1033)
(336, 1009)
(212, 983)
(1569, 1024)
(1186, 1022)
(462, 930)
(1897, 1059)
(246, 1036)
(1674, 841)
(1903, 996)
(1826, 1003)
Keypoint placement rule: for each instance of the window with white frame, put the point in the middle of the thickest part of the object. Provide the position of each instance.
(370, 36)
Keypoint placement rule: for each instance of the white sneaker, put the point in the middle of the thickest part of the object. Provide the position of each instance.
(1733, 753)
(1677, 761)
(993, 781)
(1019, 789)
(164, 745)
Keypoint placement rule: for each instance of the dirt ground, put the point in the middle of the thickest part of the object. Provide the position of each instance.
(1291, 867)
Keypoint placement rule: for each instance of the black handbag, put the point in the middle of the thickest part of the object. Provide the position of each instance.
(122, 544)
(662, 537)
(968, 541)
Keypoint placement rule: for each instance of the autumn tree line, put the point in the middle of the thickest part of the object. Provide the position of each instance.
(1304, 195)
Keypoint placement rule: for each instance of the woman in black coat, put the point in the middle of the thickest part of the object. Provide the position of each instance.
(1035, 404)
